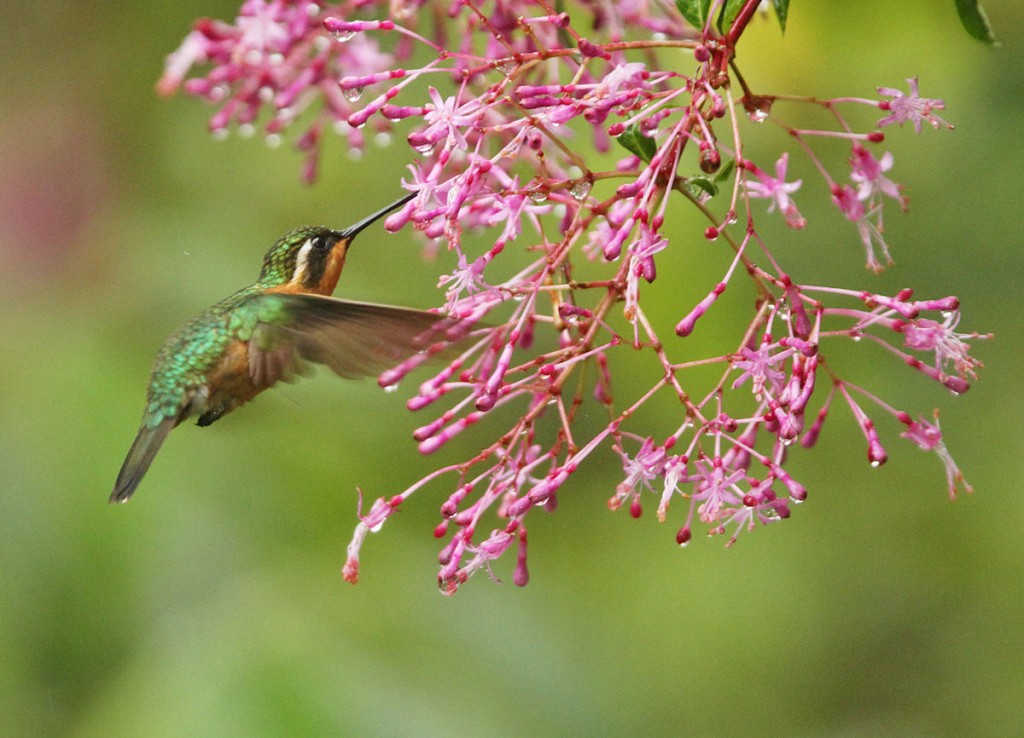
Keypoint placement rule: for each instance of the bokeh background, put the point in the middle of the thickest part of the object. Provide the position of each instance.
(213, 605)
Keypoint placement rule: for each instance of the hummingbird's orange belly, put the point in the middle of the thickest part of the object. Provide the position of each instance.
(230, 383)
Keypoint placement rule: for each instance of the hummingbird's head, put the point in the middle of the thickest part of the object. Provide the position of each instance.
(310, 259)
(307, 259)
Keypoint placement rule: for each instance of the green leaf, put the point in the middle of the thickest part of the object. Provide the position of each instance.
(975, 22)
(694, 11)
(781, 12)
(702, 183)
(730, 9)
(636, 142)
(726, 171)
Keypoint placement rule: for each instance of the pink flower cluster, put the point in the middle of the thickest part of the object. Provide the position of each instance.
(576, 136)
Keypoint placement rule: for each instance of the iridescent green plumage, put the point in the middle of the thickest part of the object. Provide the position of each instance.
(280, 261)
(196, 348)
(267, 332)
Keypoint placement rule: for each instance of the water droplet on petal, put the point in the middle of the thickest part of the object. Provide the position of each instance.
(344, 36)
(424, 148)
(220, 134)
(539, 196)
(391, 387)
(246, 130)
(273, 140)
(352, 93)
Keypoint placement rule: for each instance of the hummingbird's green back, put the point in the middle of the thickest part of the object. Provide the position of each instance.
(192, 352)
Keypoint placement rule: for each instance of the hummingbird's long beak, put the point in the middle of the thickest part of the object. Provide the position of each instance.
(352, 231)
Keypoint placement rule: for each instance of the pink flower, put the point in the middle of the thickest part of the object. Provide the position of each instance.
(845, 198)
(193, 50)
(447, 118)
(467, 278)
(912, 107)
(949, 347)
(776, 189)
(868, 174)
(641, 265)
(676, 474)
(759, 506)
(759, 366)
(716, 489)
(928, 437)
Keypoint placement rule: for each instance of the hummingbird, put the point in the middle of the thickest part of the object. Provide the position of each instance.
(267, 332)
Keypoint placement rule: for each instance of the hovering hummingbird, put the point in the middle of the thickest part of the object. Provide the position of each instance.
(266, 332)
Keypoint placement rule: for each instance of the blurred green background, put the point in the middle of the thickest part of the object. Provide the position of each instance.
(212, 605)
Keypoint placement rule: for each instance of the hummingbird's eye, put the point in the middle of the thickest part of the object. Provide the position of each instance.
(320, 243)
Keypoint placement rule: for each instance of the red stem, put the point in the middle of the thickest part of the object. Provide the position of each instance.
(740, 22)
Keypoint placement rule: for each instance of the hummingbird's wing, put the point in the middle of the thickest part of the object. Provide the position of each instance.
(354, 339)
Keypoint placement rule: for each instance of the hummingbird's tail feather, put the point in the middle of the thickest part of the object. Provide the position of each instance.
(146, 444)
